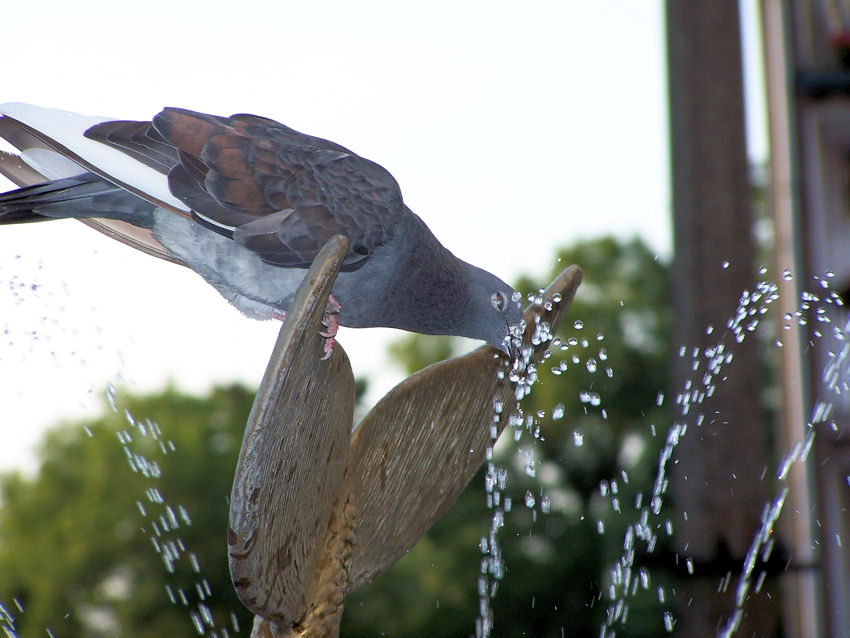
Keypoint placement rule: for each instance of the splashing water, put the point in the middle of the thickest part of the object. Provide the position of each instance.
(835, 377)
(42, 345)
(165, 521)
(162, 524)
(751, 308)
(38, 330)
(7, 620)
(522, 375)
(708, 366)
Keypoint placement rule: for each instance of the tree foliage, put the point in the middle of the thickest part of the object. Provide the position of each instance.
(78, 554)
(78, 541)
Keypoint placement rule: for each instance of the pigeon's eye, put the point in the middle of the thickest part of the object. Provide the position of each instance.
(499, 301)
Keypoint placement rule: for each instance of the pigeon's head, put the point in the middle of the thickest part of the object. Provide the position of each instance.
(496, 308)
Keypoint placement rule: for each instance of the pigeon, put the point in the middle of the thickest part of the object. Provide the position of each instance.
(247, 203)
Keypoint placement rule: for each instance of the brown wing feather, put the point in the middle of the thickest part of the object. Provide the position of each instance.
(233, 172)
(137, 139)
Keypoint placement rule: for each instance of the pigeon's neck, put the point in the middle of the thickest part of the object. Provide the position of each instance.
(431, 294)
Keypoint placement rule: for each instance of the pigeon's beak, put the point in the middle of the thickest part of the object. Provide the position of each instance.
(512, 349)
(510, 344)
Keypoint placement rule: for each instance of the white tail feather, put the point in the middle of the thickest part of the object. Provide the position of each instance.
(66, 130)
(49, 163)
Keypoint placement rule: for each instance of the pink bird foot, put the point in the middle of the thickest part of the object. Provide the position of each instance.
(330, 320)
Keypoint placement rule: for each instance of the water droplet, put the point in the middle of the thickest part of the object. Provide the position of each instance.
(786, 275)
(196, 620)
(725, 264)
(578, 324)
(592, 398)
(558, 412)
(591, 365)
(578, 441)
(669, 621)
(110, 396)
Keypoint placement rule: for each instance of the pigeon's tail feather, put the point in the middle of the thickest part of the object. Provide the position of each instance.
(16, 170)
(94, 201)
(22, 205)
(81, 196)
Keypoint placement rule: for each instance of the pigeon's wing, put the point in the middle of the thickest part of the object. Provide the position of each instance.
(278, 192)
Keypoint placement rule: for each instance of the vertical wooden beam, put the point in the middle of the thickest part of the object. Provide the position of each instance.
(720, 481)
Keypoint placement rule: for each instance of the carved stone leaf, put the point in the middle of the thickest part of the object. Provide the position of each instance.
(421, 444)
(290, 474)
(415, 452)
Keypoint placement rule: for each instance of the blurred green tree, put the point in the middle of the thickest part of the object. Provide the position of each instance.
(78, 541)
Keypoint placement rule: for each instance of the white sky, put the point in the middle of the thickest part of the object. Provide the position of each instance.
(513, 128)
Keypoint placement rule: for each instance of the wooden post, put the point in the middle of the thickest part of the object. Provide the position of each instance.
(721, 479)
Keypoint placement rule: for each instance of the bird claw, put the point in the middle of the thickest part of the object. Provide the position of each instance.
(328, 349)
(329, 335)
(330, 321)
